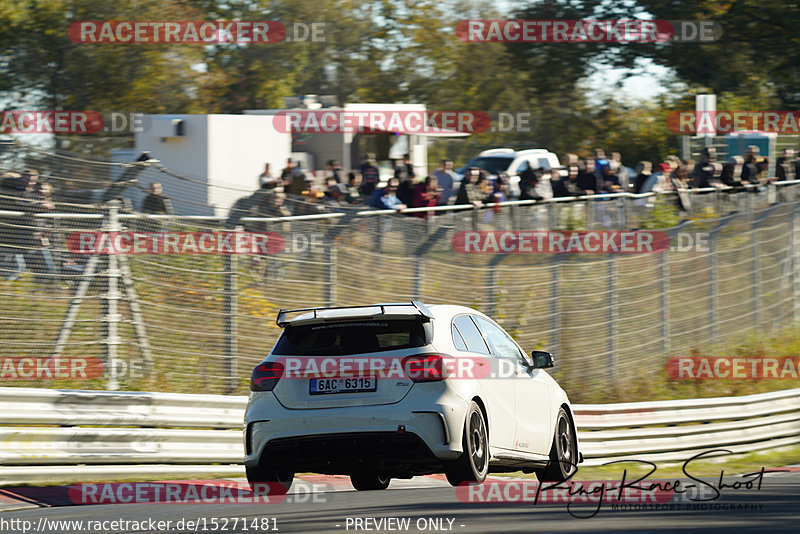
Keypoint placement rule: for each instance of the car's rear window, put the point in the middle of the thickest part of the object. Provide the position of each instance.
(350, 337)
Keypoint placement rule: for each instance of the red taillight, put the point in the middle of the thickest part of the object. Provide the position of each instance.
(425, 367)
(265, 376)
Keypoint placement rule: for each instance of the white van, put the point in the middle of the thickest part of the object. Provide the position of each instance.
(513, 162)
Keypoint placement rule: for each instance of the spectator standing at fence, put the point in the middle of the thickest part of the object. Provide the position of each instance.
(784, 166)
(287, 173)
(405, 173)
(311, 202)
(335, 196)
(732, 172)
(405, 190)
(12, 255)
(404, 170)
(446, 177)
(156, 203)
(297, 183)
(370, 176)
(588, 180)
(265, 176)
(609, 178)
(20, 236)
(527, 185)
(707, 171)
(624, 174)
(353, 188)
(41, 257)
(469, 192)
(426, 195)
(645, 180)
(386, 198)
(334, 170)
(750, 170)
(545, 182)
(796, 164)
(567, 186)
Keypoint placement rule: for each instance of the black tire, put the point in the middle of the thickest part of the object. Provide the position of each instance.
(473, 464)
(563, 452)
(369, 480)
(278, 480)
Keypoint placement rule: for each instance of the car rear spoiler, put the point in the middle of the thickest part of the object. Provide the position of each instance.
(421, 309)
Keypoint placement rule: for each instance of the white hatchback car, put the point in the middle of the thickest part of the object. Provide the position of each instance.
(396, 390)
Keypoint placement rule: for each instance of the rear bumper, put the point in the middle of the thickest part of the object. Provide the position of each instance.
(389, 452)
(409, 436)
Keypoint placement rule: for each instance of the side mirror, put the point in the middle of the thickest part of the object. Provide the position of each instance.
(542, 359)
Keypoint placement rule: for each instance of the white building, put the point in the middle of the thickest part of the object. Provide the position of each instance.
(219, 158)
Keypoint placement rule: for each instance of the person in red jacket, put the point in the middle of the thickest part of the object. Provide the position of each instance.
(425, 195)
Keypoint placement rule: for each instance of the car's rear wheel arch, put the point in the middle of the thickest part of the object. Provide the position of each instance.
(485, 414)
(571, 418)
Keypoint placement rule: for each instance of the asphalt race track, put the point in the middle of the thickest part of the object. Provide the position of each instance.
(428, 504)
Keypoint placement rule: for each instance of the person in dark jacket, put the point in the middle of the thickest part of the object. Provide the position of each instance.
(20, 236)
(567, 186)
(750, 169)
(156, 202)
(587, 179)
(707, 171)
(784, 166)
(527, 185)
(469, 192)
(645, 171)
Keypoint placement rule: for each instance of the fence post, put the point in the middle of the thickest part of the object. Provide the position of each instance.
(330, 274)
(555, 308)
(514, 216)
(612, 322)
(794, 265)
(665, 315)
(491, 283)
(111, 316)
(756, 276)
(419, 276)
(231, 310)
(712, 286)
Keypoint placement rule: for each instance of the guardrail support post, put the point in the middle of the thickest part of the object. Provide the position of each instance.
(230, 368)
(665, 314)
(795, 263)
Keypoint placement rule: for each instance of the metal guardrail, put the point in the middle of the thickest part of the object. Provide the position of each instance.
(124, 431)
(385, 212)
